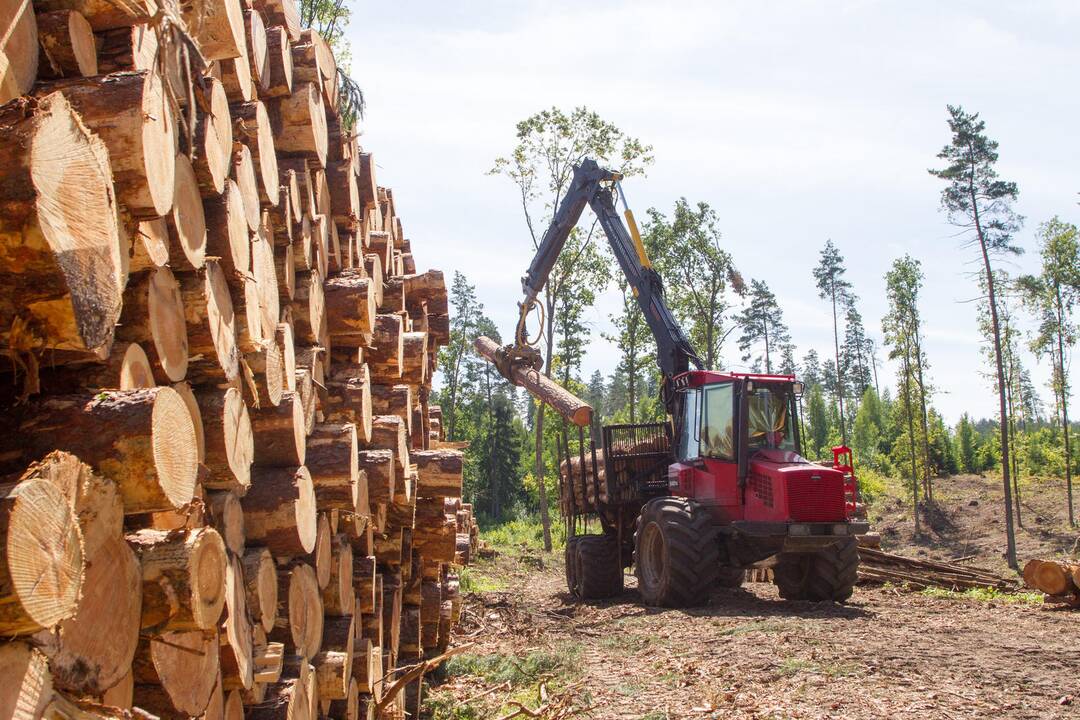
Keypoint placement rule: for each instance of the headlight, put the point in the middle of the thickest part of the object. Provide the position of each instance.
(798, 529)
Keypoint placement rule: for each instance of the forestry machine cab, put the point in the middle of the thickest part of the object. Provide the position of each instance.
(719, 487)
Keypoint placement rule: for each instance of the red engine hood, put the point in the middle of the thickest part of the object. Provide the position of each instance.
(785, 485)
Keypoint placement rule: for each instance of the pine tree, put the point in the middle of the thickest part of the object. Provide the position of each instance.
(818, 420)
(968, 449)
(980, 203)
(831, 285)
(764, 334)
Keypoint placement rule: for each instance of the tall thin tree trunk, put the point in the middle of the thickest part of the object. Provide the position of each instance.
(928, 489)
(1064, 406)
(839, 382)
(1010, 533)
(768, 364)
(911, 439)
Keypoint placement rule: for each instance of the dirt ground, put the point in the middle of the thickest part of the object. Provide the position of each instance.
(888, 653)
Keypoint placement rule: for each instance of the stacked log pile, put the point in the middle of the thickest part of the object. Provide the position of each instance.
(225, 492)
(1059, 581)
(877, 566)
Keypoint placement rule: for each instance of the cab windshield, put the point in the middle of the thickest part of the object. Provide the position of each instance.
(771, 421)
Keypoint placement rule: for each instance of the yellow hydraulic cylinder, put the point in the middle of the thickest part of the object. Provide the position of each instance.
(636, 235)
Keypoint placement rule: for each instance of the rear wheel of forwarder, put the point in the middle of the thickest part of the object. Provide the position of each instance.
(599, 570)
(731, 577)
(828, 574)
(570, 555)
(676, 553)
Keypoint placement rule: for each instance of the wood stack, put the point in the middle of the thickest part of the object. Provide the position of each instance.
(1059, 581)
(226, 492)
(877, 566)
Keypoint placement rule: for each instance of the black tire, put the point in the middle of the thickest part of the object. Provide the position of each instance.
(676, 553)
(570, 555)
(828, 574)
(731, 577)
(599, 572)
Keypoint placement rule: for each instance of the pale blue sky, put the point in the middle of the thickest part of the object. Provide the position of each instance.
(797, 121)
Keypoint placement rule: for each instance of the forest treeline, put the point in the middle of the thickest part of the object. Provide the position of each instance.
(890, 422)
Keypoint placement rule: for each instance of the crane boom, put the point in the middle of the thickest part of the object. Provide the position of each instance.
(596, 187)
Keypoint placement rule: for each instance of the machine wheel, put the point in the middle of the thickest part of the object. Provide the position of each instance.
(676, 553)
(598, 572)
(731, 577)
(828, 574)
(571, 557)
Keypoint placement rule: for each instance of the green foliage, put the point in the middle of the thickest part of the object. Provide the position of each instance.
(765, 336)
(523, 533)
(868, 431)
(686, 252)
(987, 594)
(834, 287)
(331, 18)
(471, 580)
(497, 668)
(817, 430)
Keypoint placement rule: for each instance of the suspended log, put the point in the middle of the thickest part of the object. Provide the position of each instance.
(150, 450)
(227, 233)
(237, 664)
(350, 307)
(230, 444)
(183, 578)
(279, 510)
(131, 114)
(541, 387)
(335, 471)
(64, 259)
(153, 315)
(211, 325)
(440, 472)
(279, 54)
(280, 440)
(252, 126)
(42, 566)
(66, 45)
(300, 613)
(300, 122)
(260, 582)
(213, 139)
(175, 673)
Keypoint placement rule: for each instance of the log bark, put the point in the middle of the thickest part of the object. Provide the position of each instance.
(217, 27)
(349, 399)
(347, 708)
(300, 122)
(364, 576)
(394, 400)
(335, 470)
(264, 377)
(104, 14)
(350, 307)
(235, 76)
(541, 387)
(300, 613)
(66, 45)
(440, 472)
(388, 431)
(61, 244)
(18, 49)
(385, 354)
(379, 467)
(153, 315)
(279, 54)
(280, 440)
(227, 235)
(175, 673)
(414, 355)
(252, 126)
(230, 442)
(281, 12)
(279, 510)
(344, 193)
(183, 578)
(129, 111)
(333, 674)
(150, 449)
(42, 565)
(260, 583)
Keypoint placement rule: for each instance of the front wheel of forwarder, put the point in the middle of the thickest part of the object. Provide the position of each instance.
(828, 574)
(676, 553)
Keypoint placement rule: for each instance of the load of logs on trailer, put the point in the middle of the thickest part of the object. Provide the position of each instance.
(224, 491)
(1059, 581)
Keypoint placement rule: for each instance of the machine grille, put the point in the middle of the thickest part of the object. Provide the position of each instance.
(761, 486)
(816, 498)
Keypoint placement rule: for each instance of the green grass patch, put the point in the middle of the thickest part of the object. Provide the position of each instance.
(655, 715)
(524, 534)
(518, 671)
(985, 595)
(472, 581)
(630, 642)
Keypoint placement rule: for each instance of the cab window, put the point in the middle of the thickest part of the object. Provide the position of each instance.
(771, 421)
(688, 439)
(718, 414)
